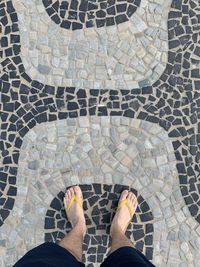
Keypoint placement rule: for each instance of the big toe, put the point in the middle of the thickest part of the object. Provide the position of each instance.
(124, 195)
(77, 191)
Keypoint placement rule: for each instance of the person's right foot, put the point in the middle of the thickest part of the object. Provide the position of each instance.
(122, 216)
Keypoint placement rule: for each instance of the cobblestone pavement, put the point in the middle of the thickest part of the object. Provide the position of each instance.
(104, 94)
(128, 55)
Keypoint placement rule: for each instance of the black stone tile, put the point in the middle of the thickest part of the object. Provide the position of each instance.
(4, 214)
(72, 106)
(85, 207)
(58, 216)
(100, 258)
(148, 240)
(55, 204)
(121, 18)
(93, 200)
(193, 209)
(5, 98)
(91, 230)
(99, 239)
(149, 253)
(56, 19)
(110, 21)
(116, 113)
(49, 223)
(103, 202)
(87, 194)
(181, 168)
(23, 131)
(107, 188)
(12, 180)
(2, 201)
(148, 228)
(3, 176)
(4, 42)
(48, 237)
(112, 196)
(76, 26)
(95, 210)
(41, 118)
(92, 111)
(101, 249)
(8, 107)
(4, 21)
(2, 186)
(101, 14)
(9, 203)
(118, 188)
(50, 213)
(131, 9)
(93, 241)
(92, 250)
(198, 218)
(89, 23)
(86, 187)
(96, 220)
(138, 234)
(61, 224)
(60, 235)
(14, 38)
(146, 217)
(7, 160)
(97, 188)
(81, 93)
(144, 207)
(106, 218)
(139, 245)
(105, 240)
(91, 258)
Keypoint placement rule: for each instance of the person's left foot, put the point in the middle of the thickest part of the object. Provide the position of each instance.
(75, 214)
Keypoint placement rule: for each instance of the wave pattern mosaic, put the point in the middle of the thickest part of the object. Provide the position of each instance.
(119, 56)
(75, 14)
(114, 151)
(158, 84)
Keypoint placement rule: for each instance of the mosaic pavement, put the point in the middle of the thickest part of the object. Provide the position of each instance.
(105, 94)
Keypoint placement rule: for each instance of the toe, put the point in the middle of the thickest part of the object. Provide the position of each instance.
(71, 191)
(132, 197)
(65, 200)
(68, 194)
(135, 203)
(77, 191)
(129, 197)
(124, 195)
(66, 197)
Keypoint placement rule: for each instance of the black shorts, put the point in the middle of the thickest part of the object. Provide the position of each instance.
(53, 255)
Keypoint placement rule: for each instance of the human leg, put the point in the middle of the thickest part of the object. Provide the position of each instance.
(69, 249)
(122, 252)
(73, 241)
(120, 222)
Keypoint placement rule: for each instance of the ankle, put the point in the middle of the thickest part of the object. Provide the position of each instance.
(80, 227)
(116, 230)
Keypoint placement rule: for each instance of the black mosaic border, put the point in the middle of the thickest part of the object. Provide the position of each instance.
(76, 15)
(172, 102)
(100, 203)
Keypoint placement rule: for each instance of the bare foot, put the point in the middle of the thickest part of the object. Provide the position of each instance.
(76, 213)
(122, 216)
